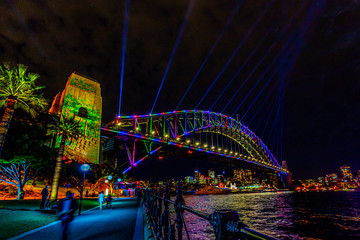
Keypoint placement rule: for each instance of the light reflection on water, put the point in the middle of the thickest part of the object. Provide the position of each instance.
(288, 215)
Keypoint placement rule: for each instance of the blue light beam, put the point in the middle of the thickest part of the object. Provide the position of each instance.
(238, 71)
(126, 21)
(262, 104)
(267, 83)
(267, 52)
(211, 51)
(265, 72)
(236, 51)
(268, 119)
(188, 11)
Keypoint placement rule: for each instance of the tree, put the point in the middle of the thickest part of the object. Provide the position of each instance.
(27, 155)
(18, 91)
(69, 129)
(19, 170)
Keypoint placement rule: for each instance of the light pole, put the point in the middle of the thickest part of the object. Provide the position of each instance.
(85, 167)
(110, 184)
(119, 180)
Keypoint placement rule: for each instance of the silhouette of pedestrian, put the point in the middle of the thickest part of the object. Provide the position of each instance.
(139, 195)
(108, 201)
(66, 207)
(44, 195)
(101, 199)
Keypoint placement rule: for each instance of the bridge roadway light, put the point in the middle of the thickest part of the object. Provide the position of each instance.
(236, 153)
(178, 139)
(219, 149)
(197, 143)
(166, 135)
(206, 145)
(213, 147)
(188, 141)
(225, 150)
(153, 132)
(231, 152)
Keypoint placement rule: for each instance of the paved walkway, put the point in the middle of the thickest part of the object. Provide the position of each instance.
(116, 223)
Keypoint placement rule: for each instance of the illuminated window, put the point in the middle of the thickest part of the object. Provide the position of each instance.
(83, 112)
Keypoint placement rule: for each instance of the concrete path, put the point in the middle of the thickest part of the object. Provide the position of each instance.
(116, 223)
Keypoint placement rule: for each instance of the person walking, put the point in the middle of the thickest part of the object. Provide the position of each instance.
(66, 208)
(108, 201)
(138, 198)
(101, 199)
(44, 196)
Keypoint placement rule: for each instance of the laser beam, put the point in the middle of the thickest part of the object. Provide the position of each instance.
(188, 11)
(126, 21)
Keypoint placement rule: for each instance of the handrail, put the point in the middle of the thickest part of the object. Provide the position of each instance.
(187, 208)
(226, 222)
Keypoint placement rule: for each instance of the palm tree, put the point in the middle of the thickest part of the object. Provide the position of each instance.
(69, 129)
(18, 91)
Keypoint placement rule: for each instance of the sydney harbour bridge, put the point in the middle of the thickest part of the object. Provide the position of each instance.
(192, 133)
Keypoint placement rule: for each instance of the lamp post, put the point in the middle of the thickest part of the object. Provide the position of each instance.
(85, 167)
(119, 180)
(108, 180)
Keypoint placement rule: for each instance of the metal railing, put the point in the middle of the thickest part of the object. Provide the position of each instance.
(225, 222)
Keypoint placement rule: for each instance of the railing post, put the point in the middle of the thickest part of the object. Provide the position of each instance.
(158, 213)
(155, 206)
(166, 211)
(178, 209)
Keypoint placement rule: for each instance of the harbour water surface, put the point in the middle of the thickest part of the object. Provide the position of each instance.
(287, 215)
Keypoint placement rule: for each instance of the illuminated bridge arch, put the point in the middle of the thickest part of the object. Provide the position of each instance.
(203, 131)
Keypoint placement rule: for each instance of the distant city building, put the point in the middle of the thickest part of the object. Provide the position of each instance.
(256, 181)
(211, 174)
(189, 179)
(202, 179)
(346, 172)
(244, 177)
(331, 176)
(197, 176)
(237, 174)
(220, 178)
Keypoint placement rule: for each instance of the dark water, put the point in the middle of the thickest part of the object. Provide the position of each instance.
(290, 215)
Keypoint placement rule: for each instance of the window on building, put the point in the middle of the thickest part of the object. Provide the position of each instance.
(83, 112)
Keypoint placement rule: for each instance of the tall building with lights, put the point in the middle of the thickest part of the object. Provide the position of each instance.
(211, 174)
(81, 99)
(243, 176)
(346, 172)
(197, 176)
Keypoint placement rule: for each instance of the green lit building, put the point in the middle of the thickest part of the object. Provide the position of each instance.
(81, 98)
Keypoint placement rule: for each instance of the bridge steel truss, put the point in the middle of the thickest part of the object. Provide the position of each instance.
(193, 129)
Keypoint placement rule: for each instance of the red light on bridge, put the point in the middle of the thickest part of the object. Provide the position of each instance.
(190, 152)
(161, 157)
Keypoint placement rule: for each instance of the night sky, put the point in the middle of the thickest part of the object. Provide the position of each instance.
(317, 84)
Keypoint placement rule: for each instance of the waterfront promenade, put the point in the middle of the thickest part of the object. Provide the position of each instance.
(121, 222)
